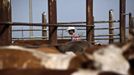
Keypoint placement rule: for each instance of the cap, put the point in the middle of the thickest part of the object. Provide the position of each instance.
(71, 28)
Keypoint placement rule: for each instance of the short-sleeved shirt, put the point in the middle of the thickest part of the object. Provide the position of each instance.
(75, 37)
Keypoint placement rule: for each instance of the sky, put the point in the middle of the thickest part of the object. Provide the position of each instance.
(67, 10)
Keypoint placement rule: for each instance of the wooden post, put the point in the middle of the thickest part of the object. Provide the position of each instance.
(52, 15)
(5, 16)
(89, 21)
(111, 32)
(122, 20)
(44, 31)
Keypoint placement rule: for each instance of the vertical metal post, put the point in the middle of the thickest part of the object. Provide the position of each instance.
(30, 18)
(52, 15)
(111, 32)
(5, 16)
(130, 22)
(44, 31)
(89, 21)
(22, 34)
(122, 20)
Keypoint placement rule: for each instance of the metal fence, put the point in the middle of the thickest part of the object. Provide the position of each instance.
(62, 26)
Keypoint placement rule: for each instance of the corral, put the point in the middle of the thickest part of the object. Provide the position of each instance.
(6, 24)
(61, 57)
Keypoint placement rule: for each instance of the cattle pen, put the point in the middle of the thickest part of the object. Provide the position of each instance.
(6, 24)
(53, 53)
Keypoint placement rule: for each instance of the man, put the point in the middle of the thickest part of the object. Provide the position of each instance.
(77, 45)
(74, 36)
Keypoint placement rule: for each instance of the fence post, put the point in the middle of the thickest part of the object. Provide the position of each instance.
(122, 20)
(52, 15)
(89, 21)
(44, 31)
(5, 16)
(30, 19)
(111, 31)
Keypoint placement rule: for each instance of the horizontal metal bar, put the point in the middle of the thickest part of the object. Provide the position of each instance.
(96, 28)
(61, 29)
(85, 36)
(115, 21)
(31, 38)
(41, 24)
(104, 28)
(29, 30)
(107, 35)
(105, 38)
(82, 22)
(59, 23)
(64, 29)
(63, 38)
(57, 29)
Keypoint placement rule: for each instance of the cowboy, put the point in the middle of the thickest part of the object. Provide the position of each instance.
(74, 36)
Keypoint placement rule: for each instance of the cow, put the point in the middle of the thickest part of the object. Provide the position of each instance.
(106, 60)
(27, 58)
(21, 57)
(117, 58)
(74, 46)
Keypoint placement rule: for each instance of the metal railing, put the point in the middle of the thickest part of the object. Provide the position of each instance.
(60, 24)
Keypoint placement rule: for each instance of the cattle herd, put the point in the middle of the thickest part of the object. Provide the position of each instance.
(73, 58)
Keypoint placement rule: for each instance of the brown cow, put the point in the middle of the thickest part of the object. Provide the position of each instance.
(104, 57)
(20, 57)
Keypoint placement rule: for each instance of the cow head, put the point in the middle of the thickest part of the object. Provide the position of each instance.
(110, 58)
